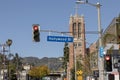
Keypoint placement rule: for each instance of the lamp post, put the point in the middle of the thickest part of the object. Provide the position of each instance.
(100, 60)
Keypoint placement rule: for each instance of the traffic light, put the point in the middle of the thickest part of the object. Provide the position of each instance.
(36, 33)
(108, 63)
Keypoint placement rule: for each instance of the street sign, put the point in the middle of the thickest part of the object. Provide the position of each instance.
(101, 52)
(79, 77)
(79, 72)
(59, 39)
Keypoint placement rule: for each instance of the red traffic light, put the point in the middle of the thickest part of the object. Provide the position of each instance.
(35, 28)
(36, 33)
(107, 58)
(108, 63)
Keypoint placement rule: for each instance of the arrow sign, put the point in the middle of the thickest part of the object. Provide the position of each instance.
(59, 39)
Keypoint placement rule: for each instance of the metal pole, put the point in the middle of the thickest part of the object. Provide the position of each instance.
(100, 60)
(75, 62)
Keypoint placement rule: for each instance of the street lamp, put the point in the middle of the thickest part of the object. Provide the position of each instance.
(100, 60)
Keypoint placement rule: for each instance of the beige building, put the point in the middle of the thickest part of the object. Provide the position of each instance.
(113, 28)
(110, 35)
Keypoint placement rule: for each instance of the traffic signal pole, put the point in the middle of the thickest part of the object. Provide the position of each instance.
(100, 59)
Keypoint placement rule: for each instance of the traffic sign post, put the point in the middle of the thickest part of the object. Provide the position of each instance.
(59, 39)
(79, 73)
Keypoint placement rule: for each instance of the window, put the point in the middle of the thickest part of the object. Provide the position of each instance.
(79, 44)
(75, 45)
(79, 29)
(74, 30)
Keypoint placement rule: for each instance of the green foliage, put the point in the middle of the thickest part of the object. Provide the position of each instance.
(83, 63)
(1, 60)
(39, 71)
(12, 74)
(86, 65)
(66, 56)
(72, 73)
(13, 63)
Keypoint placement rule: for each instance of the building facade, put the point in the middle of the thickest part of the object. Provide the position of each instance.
(78, 47)
(114, 29)
(111, 35)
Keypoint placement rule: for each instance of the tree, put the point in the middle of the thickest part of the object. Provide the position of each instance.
(1, 60)
(39, 71)
(72, 73)
(9, 65)
(17, 62)
(108, 38)
(66, 56)
(86, 65)
(15, 65)
(83, 64)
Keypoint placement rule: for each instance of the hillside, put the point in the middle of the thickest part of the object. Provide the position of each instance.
(53, 63)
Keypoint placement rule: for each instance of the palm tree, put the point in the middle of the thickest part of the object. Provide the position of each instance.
(16, 64)
(8, 66)
(1, 61)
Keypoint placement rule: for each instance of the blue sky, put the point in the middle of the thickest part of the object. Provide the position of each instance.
(17, 17)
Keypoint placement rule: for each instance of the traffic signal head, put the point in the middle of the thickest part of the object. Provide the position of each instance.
(108, 63)
(36, 33)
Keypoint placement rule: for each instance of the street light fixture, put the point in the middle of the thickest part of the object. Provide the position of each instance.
(100, 59)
